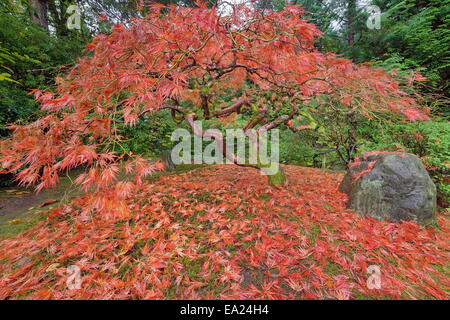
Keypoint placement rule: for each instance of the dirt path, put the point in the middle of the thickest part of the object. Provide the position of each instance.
(19, 202)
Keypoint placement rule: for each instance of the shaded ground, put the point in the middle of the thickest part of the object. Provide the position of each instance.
(19, 204)
(221, 232)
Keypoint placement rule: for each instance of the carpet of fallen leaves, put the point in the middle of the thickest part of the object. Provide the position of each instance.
(222, 233)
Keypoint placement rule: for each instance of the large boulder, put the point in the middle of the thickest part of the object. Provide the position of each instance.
(392, 186)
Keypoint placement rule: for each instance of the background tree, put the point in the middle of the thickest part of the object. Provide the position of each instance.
(414, 35)
(35, 58)
(38, 13)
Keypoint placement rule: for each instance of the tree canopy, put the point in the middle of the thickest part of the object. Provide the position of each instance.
(176, 55)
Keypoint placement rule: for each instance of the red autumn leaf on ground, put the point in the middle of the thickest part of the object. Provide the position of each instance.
(235, 247)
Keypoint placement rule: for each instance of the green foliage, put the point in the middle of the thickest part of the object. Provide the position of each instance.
(416, 34)
(297, 148)
(15, 104)
(34, 57)
(29, 58)
(8, 57)
(428, 140)
(148, 137)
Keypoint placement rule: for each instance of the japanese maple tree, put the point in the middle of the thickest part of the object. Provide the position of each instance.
(178, 54)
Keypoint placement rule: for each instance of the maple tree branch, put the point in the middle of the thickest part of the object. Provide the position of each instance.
(274, 124)
(218, 137)
(235, 107)
(163, 107)
(258, 118)
(284, 119)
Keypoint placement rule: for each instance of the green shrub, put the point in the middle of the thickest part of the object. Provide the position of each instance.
(428, 140)
(296, 148)
(36, 60)
(149, 137)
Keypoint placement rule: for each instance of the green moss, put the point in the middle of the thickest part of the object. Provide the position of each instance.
(264, 197)
(333, 269)
(359, 296)
(171, 291)
(203, 196)
(314, 231)
(30, 220)
(193, 267)
(123, 270)
(278, 178)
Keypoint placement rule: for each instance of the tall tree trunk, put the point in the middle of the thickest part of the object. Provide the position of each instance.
(351, 14)
(38, 13)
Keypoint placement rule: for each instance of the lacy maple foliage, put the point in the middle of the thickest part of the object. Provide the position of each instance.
(175, 55)
(220, 232)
